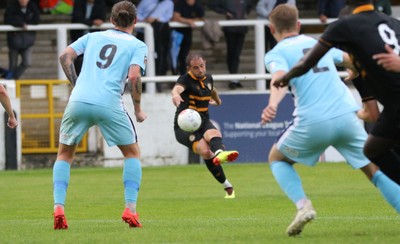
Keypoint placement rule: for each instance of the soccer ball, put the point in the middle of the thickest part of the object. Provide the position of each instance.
(189, 120)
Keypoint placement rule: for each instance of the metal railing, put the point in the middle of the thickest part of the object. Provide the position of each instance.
(259, 74)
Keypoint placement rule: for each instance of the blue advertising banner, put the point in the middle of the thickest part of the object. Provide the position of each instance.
(239, 120)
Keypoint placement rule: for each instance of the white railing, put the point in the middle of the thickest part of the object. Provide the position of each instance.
(259, 74)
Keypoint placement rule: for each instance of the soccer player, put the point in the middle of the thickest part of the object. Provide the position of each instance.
(96, 99)
(325, 115)
(351, 33)
(6, 103)
(196, 90)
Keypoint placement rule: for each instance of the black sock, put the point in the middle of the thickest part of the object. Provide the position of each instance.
(389, 164)
(216, 144)
(216, 171)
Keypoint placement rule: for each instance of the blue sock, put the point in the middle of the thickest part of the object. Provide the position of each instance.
(61, 173)
(389, 189)
(132, 177)
(288, 180)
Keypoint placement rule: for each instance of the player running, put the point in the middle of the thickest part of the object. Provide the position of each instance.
(325, 115)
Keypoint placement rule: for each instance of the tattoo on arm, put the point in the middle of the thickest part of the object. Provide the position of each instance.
(69, 70)
(136, 92)
(138, 86)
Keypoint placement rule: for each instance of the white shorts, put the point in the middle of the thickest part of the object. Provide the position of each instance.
(305, 144)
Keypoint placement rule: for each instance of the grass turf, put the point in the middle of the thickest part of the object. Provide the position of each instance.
(184, 204)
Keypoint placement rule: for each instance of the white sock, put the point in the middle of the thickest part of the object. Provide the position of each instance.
(300, 204)
(226, 184)
(58, 205)
(131, 206)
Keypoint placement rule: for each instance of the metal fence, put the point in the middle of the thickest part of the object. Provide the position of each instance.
(42, 105)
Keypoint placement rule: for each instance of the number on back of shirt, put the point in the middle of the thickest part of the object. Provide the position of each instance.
(316, 69)
(107, 54)
(389, 37)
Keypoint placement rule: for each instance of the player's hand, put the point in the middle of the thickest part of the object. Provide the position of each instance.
(176, 100)
(351, 75)
(390, 61)
(268, 114)
(280, 82)
(12, 122)
(140, 116)
(214, 103)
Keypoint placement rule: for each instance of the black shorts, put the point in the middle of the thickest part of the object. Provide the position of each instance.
(190, 139)
(388, 124)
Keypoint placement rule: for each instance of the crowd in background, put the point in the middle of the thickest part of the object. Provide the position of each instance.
(172, 45)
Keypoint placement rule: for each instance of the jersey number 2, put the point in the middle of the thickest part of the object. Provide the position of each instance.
(315, 68)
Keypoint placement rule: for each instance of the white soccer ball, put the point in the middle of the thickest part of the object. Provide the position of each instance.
(189, 120)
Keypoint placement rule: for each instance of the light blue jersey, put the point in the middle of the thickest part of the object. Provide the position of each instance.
(319, 94)
(105, 66)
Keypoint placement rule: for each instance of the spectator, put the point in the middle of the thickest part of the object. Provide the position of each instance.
(383, 6)
(186, 12)
(329, 9)
(88, 12)
(158, 13)
(20, 13)
(234, 35)
(263, 9)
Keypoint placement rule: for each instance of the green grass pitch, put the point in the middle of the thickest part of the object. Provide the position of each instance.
(184, 204)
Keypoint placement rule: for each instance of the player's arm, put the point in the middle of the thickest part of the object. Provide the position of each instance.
(176, 94)
(5, 101)
(370, 111)
(215, 99)
(67, 58)
(135, 79)
(309, 60)
(276, 96)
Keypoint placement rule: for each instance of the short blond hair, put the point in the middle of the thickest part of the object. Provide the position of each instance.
(284, 17)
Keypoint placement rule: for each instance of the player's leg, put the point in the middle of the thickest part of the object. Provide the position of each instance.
(214, 138)
(290, 182)
(384, 137)
(351, 146)
(388, 188)
(298, 143)
(61, 176)
(202, 148)
(118, 129)
(71, 133)
(378, 150)
(132, 177)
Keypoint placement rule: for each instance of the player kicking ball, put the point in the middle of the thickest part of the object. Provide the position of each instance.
(195, 90)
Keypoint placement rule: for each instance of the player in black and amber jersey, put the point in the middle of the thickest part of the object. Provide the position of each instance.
(195, 90)
(363, 34)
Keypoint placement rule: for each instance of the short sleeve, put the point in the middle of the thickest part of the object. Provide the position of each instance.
(274, 62)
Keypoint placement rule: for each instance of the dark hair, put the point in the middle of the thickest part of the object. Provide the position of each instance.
(123, 13)
(193, 56)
